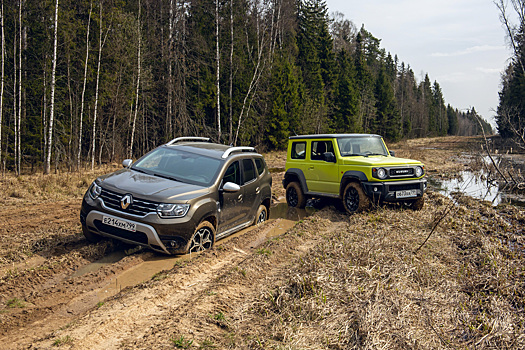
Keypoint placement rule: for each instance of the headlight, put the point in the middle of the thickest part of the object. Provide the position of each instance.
(419, 171)
(94, 190)
(167, 210)
(380, 173)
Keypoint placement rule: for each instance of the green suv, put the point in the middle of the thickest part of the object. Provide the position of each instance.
(357, 169)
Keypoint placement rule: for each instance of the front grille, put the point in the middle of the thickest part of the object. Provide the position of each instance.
(139, 237)
(138, 207)
(415, 186)
(401, 172)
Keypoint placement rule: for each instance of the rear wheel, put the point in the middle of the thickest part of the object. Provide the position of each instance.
(295, 196)
(90, 237)
(262, 215)
(203, 237)
(354, 198)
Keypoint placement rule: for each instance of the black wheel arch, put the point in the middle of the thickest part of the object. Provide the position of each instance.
(295, 175)
(352, 176)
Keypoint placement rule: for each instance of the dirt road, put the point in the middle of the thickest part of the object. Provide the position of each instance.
(319, 281)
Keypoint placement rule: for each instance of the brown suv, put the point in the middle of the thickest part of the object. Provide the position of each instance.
(181, 197)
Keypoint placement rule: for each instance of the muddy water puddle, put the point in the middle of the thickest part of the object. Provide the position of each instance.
(283, 217)
(477, 184)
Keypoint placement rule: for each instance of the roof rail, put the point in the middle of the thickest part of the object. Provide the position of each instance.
(188, 138)
(231, 150)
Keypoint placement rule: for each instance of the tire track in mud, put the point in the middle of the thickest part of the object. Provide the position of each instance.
(149, 313)
(56, 298)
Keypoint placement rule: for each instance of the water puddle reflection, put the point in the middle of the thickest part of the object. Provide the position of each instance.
(476, 185)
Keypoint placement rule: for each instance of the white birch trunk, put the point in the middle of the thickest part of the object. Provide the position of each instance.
(255, 78)
(83, 91)
(230, 140)
(15, 118)
(137, 91)
(53, 80)
(93, 140)
(3, 77)
(218, 71)
(18, 132)
(170, 72)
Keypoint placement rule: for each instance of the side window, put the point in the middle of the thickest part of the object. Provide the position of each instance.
(319, 148)
(259, 163)
(299, 150)
(249, 170)
(233, 174)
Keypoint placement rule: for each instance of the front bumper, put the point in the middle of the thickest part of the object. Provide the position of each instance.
(387, 191)
(169, 236)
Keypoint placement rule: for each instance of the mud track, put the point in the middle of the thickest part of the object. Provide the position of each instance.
(51, 277)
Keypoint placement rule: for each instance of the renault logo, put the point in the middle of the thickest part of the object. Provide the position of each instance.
(126, 201)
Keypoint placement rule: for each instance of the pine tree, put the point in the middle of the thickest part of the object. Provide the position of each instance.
(345, 97)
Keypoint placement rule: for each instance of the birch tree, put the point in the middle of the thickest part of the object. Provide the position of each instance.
(15, 100)
(84, 88)
(218, 59)
(3, 77)
(19, 124)
(100, 45)
(137, 90)
(53, 81)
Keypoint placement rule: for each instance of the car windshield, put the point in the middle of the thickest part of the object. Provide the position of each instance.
(179, 165)
(361, 146)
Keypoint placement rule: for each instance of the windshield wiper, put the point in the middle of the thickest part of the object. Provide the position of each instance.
(167, 177)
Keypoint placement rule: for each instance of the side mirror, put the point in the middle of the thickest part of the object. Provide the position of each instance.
(230, 187)
(392, 153)
(329, 157)
(126, 163)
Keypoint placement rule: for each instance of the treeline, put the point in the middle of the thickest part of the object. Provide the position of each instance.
(511, 110)
(128, 75)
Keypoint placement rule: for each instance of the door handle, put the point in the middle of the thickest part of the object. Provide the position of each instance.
(240, 198)
(257, 190)
(311, 168)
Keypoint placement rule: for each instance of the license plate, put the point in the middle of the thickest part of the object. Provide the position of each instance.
(406, 194)
(123, 224)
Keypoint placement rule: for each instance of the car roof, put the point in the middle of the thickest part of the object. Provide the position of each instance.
(212, 150)
(330, 136)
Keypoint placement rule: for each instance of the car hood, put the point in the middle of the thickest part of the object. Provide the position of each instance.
(153, 187)
(379, 161)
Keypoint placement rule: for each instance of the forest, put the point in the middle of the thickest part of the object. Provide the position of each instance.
(86, 82)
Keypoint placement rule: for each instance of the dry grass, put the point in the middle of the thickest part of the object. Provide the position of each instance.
(52, 187)
(363, 287)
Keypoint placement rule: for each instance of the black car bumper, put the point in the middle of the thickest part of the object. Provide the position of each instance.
(395, 191)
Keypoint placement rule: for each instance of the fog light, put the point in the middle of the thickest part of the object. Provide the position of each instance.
(375, 189)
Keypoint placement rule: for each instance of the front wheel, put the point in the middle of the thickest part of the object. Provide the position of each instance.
(295, 196)
(416, 204)
(202, 238)
(354, 198)
(90, 237)
(262, 215)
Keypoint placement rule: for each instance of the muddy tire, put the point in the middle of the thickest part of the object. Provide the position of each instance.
(295, 196)
(416, 204)
(90, 237)
(261, 216)
(203, 238)
(354, 198)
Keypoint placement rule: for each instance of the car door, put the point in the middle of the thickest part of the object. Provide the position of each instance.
(322, 176)
(251, 189)
(231, 203)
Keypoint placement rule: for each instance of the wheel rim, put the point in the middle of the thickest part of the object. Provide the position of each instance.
(202, 240)
(293, 199)
(352, 199)
(262, 217)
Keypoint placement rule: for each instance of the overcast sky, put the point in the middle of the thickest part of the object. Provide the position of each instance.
(459, 43)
